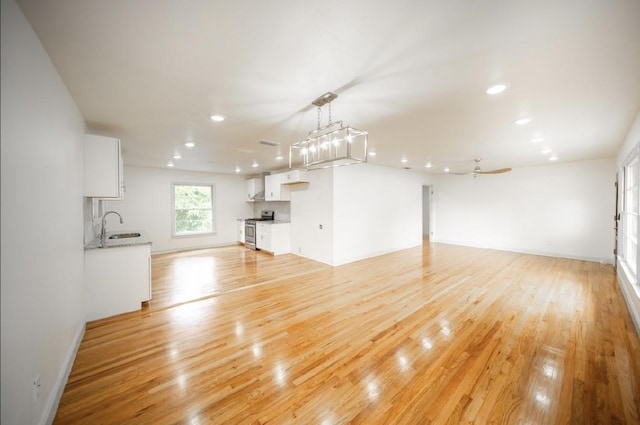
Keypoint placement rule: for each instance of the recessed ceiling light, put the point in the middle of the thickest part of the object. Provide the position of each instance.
(238, 169)
(177, 156)
(217, 117)
(404, 160)
(537, 139)
(545, 151)
(523, 121)
(497, 88)
(372, 153)
(169, 164)
(279, 157)
(428, 165)
(189, 144)
(255, 164)
(446, 169)
(553, 157)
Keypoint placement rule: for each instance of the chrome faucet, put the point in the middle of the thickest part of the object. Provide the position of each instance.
(103, 232)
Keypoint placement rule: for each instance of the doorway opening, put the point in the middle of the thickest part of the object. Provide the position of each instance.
(427, 224)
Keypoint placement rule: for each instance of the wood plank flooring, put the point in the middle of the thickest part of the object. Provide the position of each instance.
(436, 334)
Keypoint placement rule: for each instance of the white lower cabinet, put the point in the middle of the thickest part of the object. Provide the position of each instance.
(117, 280)
(240, 231)
(274, 237)
(263, 236)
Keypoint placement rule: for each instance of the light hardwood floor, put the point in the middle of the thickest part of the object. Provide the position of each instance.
(435, 334)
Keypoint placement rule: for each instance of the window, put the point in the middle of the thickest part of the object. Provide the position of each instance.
(193, 209)
(628, 244)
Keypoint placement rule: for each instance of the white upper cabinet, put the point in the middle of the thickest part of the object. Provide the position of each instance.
(276, 186)
(253, 187)
(103, 176)
(273, 188)
(295, 176)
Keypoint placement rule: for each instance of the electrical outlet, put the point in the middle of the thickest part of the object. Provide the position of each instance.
(36, 387)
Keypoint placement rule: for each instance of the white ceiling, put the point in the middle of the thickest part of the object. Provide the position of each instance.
(411, 73)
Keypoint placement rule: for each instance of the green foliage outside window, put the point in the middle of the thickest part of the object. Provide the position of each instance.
(193, 207)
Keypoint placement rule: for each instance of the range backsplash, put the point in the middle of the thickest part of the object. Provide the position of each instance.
(282, 209)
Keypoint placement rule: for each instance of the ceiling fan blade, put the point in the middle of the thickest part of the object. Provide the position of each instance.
(498, 171)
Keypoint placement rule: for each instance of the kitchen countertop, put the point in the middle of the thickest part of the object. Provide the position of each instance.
(273, 222)
(267, 221)
(143, 239)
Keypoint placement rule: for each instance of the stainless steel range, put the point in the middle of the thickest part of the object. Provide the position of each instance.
(250, 228)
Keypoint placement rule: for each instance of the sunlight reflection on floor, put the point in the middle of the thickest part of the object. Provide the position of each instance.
(192, 278)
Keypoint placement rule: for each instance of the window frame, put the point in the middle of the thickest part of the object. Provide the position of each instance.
(176, 235)
(629, 214)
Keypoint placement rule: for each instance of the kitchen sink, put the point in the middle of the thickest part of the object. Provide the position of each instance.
(124, 235)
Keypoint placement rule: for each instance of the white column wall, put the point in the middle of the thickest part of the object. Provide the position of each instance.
(42, 226)
(376, 210)
(312, 207)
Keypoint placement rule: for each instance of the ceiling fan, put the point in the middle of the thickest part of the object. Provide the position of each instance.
(478, 171)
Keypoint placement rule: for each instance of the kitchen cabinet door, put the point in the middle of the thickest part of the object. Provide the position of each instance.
(274, 237)
(103, 174)
(272, 187)
(280, 238)
(241, 231)
(263, 236)
(273, 190)
(295, 176)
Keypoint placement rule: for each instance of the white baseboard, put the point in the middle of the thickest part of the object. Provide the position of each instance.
(528, 251)
(193, 248)
(51, 406)
(375, 254)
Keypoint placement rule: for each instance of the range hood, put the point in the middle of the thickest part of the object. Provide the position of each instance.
(260, 195)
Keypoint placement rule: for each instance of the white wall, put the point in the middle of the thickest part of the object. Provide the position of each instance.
(376, 210)
(632, 141)
(312, 207)
(42, 231)
(147, 206)
(563, 210)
